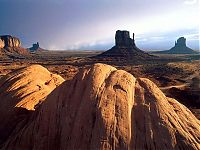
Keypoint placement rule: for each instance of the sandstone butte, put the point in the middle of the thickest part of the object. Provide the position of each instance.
(10, 45)
(105, 109)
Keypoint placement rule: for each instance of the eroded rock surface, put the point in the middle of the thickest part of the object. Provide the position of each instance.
(11, 47)
(2, 44)
(105, 108)
(21, 92)
(9, 41)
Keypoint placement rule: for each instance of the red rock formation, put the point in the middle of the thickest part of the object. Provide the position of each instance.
(11, 46)
(21, 91)
(9, 41)
(105, 108)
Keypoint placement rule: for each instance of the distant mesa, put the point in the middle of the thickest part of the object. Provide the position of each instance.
(179, 48)
(10, 46)
(35, 47)
(125, 47)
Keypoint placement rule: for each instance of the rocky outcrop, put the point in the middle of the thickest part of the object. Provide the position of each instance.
(125, 48)
(21, 92)
(11, 47)
(179, 48)
(35, 47)
(9, 41)
(105, 108)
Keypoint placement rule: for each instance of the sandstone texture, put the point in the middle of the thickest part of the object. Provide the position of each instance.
(11, 46)
(125, 47)
(22, 92)
(9, 41)
(2, 44)
(103, 108)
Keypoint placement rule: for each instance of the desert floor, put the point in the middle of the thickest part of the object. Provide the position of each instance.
(178, 76)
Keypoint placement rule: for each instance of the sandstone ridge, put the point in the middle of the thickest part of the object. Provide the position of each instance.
(105, 108)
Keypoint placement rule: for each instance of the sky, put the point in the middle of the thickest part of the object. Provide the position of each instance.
(91, 24)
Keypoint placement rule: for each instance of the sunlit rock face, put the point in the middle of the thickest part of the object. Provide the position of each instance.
(104, 108)
(21, 92)
(9, 41)
(11, 47)
(2, 44)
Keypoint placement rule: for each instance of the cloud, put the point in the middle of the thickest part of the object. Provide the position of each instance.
(85, 24)
(190, 2)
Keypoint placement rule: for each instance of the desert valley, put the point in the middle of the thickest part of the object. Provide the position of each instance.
(123, 98)
(99, 75)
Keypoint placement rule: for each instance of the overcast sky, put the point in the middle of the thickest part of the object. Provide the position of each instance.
(91, 24)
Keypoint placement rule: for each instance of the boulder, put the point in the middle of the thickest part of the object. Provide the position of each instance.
(21, 92)
(104, 108)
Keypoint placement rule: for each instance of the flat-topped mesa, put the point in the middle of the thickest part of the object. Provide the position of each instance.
(9, 41)
(122, 39)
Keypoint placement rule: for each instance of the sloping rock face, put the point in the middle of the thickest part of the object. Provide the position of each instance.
(21, 92)
(125, 47)
(105, 108)
(179, 48)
